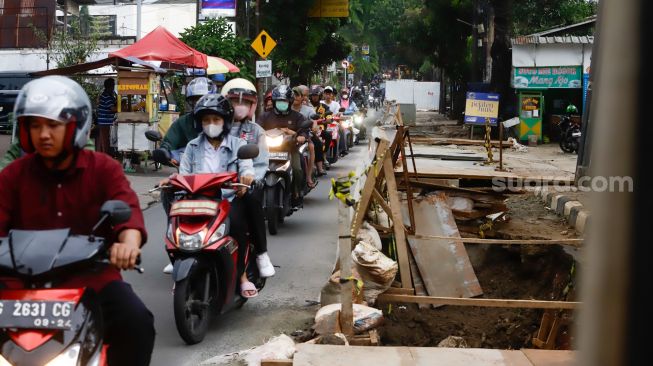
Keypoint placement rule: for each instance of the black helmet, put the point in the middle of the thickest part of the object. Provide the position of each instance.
(215, 104)
(316, 90)
(58, 98)
(281, 93)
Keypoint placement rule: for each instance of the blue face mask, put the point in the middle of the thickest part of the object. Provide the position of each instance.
(282, 106)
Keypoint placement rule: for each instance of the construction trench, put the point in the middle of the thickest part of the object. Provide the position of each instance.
(438, 265)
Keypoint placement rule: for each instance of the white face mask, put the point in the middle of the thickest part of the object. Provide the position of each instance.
(212, 130)
(241, 111)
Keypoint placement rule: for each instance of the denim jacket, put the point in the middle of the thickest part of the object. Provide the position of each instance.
(191, 161)
(252, 133)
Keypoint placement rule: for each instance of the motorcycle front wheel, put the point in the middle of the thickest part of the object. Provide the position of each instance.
(192, 312)
(567, 143)
(272, 214)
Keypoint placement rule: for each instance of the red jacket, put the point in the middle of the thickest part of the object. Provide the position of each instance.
(33, 197)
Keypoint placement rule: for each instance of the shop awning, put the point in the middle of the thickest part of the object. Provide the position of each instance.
(117, 61)
(161, 45)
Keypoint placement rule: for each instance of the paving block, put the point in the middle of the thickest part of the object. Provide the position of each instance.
(553, 201)
(560, 205)
(582, 220)
(569, 205)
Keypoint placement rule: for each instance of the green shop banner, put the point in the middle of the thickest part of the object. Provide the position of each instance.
(567, 77)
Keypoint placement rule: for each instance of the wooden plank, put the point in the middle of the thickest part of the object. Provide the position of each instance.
(493, 303)
(425, 356)
(571, 242)
(328, 355)
(454, 141)
(400, 291)
(268, 362)
(381, 201)
(444, 265)
(420, 290)
(398, 224)
(344, 250)
(551, 358)
(370, 182)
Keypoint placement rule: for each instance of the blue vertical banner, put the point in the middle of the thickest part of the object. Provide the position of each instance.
(586, 83)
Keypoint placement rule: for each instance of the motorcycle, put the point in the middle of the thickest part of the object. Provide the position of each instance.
(44, 325)
(332, 125)
(359, 124)
(204, 255)
(347, 123)
(278, 179)
(371, 102)
(569, 135)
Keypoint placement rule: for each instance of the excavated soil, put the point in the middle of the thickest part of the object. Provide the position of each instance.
(517, 272)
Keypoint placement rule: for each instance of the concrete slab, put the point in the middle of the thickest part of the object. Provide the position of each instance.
(569, 205)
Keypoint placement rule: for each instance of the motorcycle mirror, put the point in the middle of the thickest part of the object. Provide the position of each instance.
(161, 156)
(154, 136)
(249, 151)
(117, 211)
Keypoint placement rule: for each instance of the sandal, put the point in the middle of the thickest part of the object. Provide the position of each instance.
(248, 286)
(311, 186)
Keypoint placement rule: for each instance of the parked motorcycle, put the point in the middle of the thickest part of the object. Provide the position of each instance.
(204, 255)
(569, 135)
(44, 325)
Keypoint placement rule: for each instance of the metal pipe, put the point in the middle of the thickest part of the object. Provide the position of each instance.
(139, 5)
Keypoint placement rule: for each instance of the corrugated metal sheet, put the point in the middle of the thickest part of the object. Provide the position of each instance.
(553, 40)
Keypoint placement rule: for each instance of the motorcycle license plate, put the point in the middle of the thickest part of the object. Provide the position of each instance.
(36, 314)
(283, 155)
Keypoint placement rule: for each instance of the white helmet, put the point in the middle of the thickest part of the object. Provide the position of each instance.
(240, 89)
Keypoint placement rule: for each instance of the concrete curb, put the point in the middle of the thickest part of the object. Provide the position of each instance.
(576, 215)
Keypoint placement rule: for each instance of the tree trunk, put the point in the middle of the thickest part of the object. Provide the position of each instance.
(501, 54)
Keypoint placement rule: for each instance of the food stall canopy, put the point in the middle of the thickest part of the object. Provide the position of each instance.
(118, 61)
(161, 45)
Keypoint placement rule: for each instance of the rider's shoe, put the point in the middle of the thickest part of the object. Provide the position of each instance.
(168, 268)
(265, 267)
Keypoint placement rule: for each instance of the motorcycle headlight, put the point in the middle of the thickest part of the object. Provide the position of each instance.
(358, 120)
(169, 233)
(4, 362)
(67, 357)
(346, 124)
(191, 242)
(218, 233)
(275, 141)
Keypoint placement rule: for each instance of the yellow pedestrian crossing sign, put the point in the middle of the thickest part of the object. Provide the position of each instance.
(263, 44)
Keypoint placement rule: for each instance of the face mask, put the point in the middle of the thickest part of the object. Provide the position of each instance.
(212, 130)
(281, 106)
(345, 96)
(241, 112)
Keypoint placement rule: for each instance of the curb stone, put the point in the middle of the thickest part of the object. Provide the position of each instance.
(569, 207)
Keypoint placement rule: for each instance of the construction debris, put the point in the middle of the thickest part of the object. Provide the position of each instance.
(327, 319)
(281, 347)
(377, 270)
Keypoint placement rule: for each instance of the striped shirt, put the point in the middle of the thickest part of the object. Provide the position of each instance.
(106, 103)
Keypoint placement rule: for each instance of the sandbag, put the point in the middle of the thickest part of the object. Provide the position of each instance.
(281, 347)
(375, 268)
(369, 234)
(327, 319)
(379, 217)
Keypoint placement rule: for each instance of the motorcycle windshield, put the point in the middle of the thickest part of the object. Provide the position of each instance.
(33, 253)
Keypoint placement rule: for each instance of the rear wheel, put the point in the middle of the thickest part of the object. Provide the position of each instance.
(272, 214)
(192, 313)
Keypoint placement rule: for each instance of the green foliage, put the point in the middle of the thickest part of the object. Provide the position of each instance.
(215, 38)
(530, 16)
(304, 45)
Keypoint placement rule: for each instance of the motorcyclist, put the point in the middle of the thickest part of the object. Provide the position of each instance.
(322, 110)
(335, 107)
(60, 185)
(214, 151)
(347, 103)
(242, 95)
(306, 111)
(292, 123)
(186, 128)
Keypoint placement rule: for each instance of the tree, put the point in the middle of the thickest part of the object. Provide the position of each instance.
(215, 38)
(304, 45)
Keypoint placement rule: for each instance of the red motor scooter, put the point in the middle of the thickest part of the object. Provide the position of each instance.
(204, 255)
(331, 124)
(41, 324)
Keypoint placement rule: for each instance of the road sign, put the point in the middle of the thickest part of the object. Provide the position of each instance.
(366, 58)
(350, 68)
(329, 9)
(480, 106)
(263, 44)
(263, 69)
(345, 64)
(350, 58)
(365, 49)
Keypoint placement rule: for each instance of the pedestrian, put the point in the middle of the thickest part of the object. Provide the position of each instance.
(107, 105)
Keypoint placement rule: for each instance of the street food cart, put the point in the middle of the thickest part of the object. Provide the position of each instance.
(138, 96)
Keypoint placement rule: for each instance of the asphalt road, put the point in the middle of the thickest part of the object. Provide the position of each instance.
(304, 251)
(5, 141)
